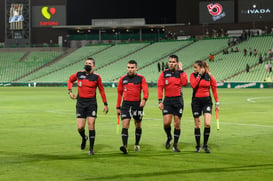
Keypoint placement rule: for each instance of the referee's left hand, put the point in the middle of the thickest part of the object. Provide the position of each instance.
(142, 103)
(217, 107)
(105, 110)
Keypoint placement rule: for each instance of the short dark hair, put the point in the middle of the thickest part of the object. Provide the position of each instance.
(175, 57)
(133, 62)
(92, 59)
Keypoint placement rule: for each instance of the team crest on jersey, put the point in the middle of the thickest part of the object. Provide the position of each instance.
(166, 82)
(82, 77)
(80, 84)
(196, 113)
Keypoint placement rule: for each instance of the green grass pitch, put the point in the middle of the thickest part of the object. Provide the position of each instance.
(39, 139)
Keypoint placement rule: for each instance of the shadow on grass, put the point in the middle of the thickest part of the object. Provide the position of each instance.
(10, 157)
(148, 175)
(148, 151)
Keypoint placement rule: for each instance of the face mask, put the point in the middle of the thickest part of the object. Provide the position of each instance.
(87, 68)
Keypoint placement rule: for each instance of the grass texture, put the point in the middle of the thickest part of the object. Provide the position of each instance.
(39, 139)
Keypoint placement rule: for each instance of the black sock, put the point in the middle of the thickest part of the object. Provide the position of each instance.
(176, 134)
(197, 135)
(138, 135)
(124, 136)
(92, 134)
(206, 135)
(82, 133)
(168, 131)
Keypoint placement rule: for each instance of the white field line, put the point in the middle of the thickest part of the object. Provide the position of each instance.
(253, 99)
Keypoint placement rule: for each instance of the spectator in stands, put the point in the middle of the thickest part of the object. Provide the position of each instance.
(245, 52)
(255, 52)
(166, 65)
(247, 68)
(171, 81)
(250, 51)
(130, 87)
(86, 107)
(162, 66)
(231, 50)
(270, 67)
(266, 68)
(225, 51)
(260, 58)
(201, 81)
(236, 49)
(158, 66)
(211, 57)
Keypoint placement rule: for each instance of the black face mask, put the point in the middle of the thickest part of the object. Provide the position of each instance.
(87, 68)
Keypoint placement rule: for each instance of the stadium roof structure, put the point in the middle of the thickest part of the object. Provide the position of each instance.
(120, 23)
(86, 27)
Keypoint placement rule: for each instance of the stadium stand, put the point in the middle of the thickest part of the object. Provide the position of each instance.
(14, 64)
(188, 55)
(123, 53)
(111, 60)
(71, 59)
(230, 65)
(102, 58)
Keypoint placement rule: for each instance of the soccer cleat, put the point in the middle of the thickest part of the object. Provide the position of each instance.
(206, 148)
(137, 148)
(84, 142)
(198, 149)
(91, 152)
(124, 149)
(176, 149)
(168, 143)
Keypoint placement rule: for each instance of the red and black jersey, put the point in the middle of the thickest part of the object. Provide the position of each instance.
(172, 82)
(87, 85)
(130, 88)
(202, 84)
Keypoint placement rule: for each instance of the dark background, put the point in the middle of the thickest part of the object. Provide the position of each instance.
(81, 12)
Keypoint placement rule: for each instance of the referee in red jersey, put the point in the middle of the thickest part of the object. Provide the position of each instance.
(86, 107)
(201, 81)
(130, 87)
(172, 80)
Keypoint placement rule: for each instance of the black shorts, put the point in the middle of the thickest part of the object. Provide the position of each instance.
(86, 107)
(201, 105)
(131, 109)
(173, 105)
